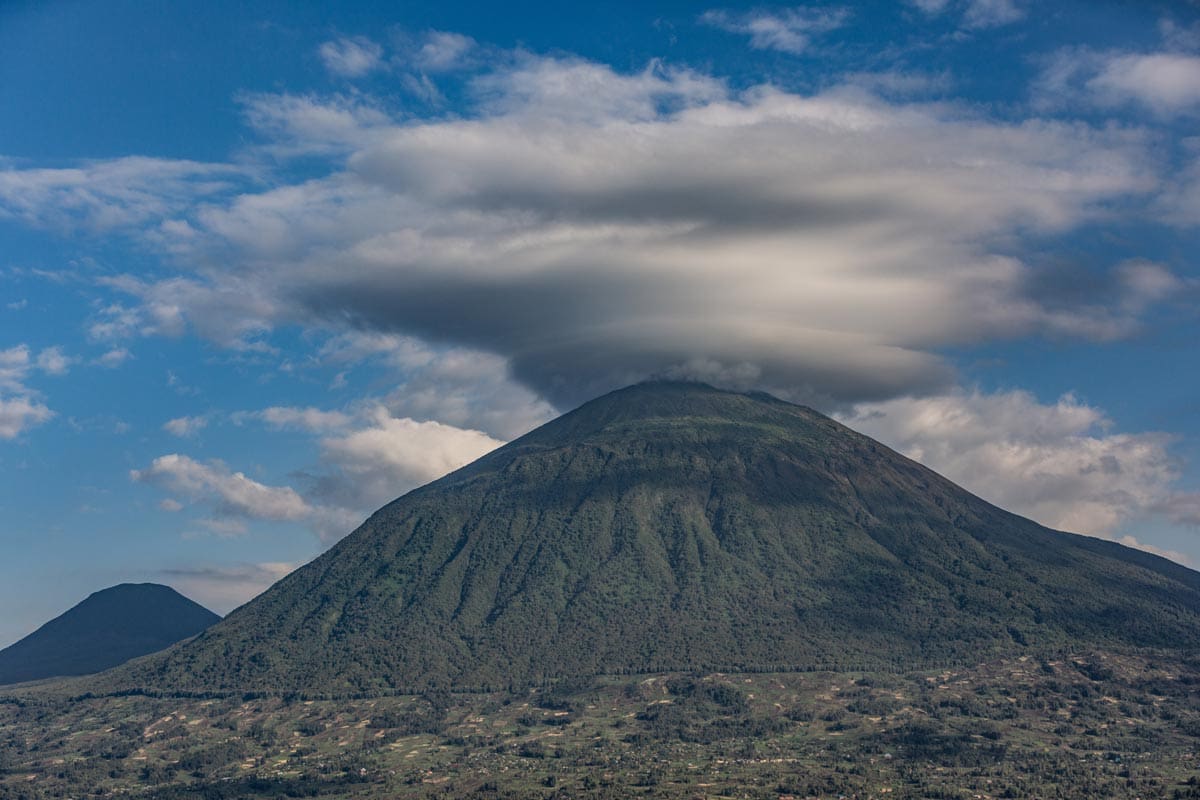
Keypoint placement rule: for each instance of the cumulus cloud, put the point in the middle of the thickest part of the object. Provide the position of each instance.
(366, 460)
(789, 31)
(1164, 82)
(231, 494)
(20, 408)
(1059, 464)
(351, 57)
(1168, 83)
(387, 457)
(15, 364)
(53, 361)
(18, 414)
(225, 587)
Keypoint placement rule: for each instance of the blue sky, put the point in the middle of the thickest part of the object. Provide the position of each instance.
(265, 266)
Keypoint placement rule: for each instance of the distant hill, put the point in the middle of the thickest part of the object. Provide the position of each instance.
(108, 628)
(673, 526)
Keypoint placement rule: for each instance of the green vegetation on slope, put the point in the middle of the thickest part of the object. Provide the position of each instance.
(678, 527)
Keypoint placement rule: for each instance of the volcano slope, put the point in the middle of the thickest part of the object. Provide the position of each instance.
(673, 526)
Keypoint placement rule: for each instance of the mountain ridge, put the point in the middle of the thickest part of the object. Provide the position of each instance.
(672, 526)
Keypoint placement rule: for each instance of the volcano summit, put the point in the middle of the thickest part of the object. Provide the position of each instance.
(674, 526)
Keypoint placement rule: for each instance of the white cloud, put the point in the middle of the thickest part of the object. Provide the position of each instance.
(462, 387)
(930, 6)
(897, 83)
(233, 313)
(114, 322)
(304, 125)
(976, 14)
(185, 426)
(313, 420)
(790, 30)
(991, 13)
(235, 499)
(18, 414)
(1179, 37)
(391, 456)
(1173, 555)
(53, 361)
(20, 408)
(15, 364)
(232, 494)
(443, 50)
(1166, 83)
(109, 195)
(114, 358)
(1059, 464)
(351, 57)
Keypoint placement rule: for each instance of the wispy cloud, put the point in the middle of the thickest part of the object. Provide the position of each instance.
(113, 358)
(292, 125)
(185, 426)
(313, 420)
(118, 194)
(351, 57)
(790, 31)
(439, 51)
(975, 14)
(992, 13)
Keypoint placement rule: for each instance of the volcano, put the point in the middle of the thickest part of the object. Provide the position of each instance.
(674, 526)
(107, 628)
